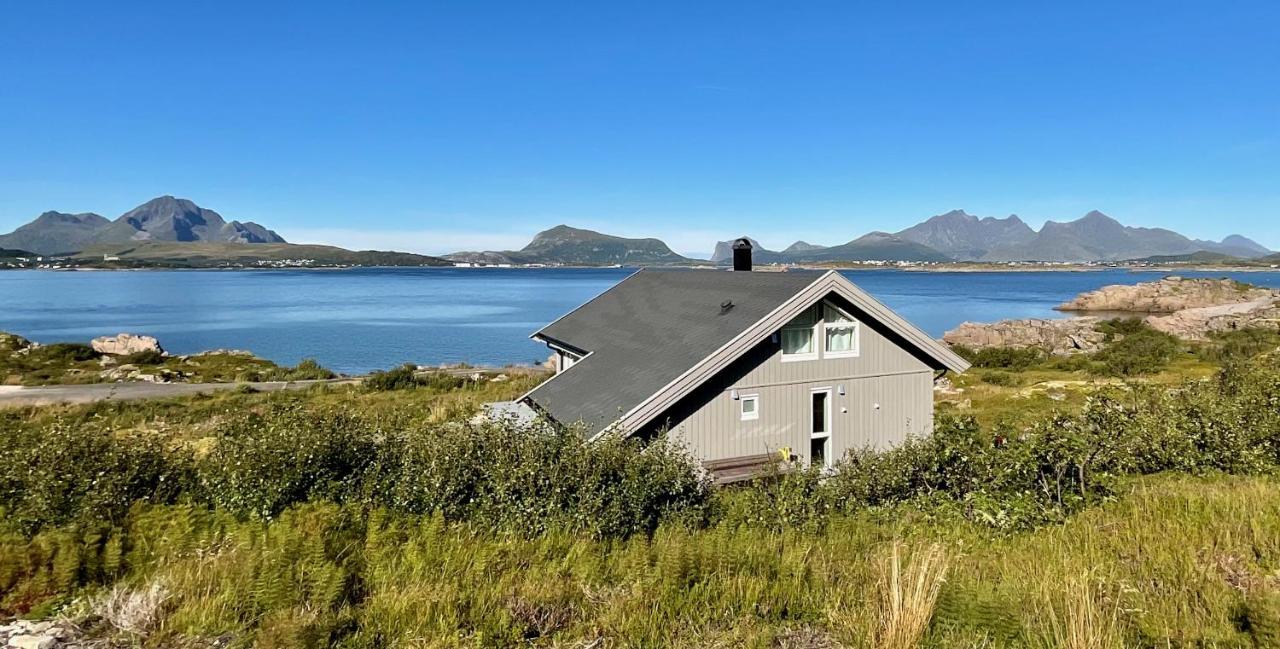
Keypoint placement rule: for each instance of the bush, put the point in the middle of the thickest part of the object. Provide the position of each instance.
(145, 357)
(306, 370)
(1239, 345)
(1131, 347)
(1005, 358)
(407, 376)
(400, 378)
(1071, 363)
(262, 463)
(64, 471)
(309, 370)
(530, 479)
(996, 377)
(62, 353)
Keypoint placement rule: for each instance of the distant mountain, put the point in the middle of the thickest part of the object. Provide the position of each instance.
(1236, 246)
(800, 247)
(1098, 237)
(1198, 257)
(10, 253)
(875, 246)
(723, 254)
(177, 219)
(214, 254)
(960, 235)
(161, 219)
(564, 245)
(55, 232)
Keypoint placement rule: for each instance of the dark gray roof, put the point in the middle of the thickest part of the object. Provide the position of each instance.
(648, 330)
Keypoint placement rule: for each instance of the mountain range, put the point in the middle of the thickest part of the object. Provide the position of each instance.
(953, 236)
(160, 219)
(574, 246)
(959, 236)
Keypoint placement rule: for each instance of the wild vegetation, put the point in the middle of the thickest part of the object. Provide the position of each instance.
(1017, 386)
(24, 363)
(347, 516)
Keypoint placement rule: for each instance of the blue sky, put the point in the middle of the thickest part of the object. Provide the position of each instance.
(434, 127)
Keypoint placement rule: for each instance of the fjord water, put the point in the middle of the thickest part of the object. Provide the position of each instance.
(362, 319)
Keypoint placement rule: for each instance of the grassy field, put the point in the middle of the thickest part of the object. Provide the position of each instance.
(1173, 561)
(23, 363)
(1131, 512)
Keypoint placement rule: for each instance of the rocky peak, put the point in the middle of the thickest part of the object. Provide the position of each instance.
(62, 218)
(802, 246)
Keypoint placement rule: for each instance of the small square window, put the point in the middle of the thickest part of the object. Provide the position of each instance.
(750, 407)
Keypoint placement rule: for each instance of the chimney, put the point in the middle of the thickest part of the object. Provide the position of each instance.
(742, 254)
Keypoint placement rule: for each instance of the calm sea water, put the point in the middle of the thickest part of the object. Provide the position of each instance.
(362, 319)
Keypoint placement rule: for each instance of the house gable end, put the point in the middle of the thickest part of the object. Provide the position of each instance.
(906, 335)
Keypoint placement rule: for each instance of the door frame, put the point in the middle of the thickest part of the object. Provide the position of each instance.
(827, 419)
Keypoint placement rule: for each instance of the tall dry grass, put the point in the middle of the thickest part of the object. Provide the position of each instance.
(134, 611)
(1078, 614)
(907, 593)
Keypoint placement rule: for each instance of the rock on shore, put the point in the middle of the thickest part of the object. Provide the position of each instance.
(1169, 295)
(124, 344)
(1062, 337)
(1197, 324)
(1190, 309)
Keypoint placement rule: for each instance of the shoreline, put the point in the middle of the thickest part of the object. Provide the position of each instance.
(958, 268)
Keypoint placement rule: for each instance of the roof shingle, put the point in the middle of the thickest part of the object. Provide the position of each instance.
(648, 330)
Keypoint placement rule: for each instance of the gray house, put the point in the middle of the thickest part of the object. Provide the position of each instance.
(742, 366)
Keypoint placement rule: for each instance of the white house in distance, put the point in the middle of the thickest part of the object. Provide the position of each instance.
(743, 365)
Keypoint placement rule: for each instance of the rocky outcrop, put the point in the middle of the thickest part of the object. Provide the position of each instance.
(1169, 295)
(1190, 309)
(124, 343)
(1063, 337)
(1198, 323)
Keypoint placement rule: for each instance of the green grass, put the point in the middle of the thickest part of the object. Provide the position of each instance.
(1182, 562)
(1164, 560)
(22, 363)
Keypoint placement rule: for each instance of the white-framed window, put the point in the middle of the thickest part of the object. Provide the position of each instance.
(799, 337)
(750, 405)
(820, 428)
(839, 332)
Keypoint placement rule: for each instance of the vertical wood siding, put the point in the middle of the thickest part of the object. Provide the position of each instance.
(888, 397)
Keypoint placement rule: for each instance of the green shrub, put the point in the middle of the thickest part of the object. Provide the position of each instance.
(997, 377)
(1005, 358)
(62, 353)
(309, 370)
(66, 471)
(407, 376)
(530, 479)
(1117, 328)
(145, 357)
(1131, 347)
(1072, 363)
(400, 378)
(262, 463)
(306, 370)
(1239, 345)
